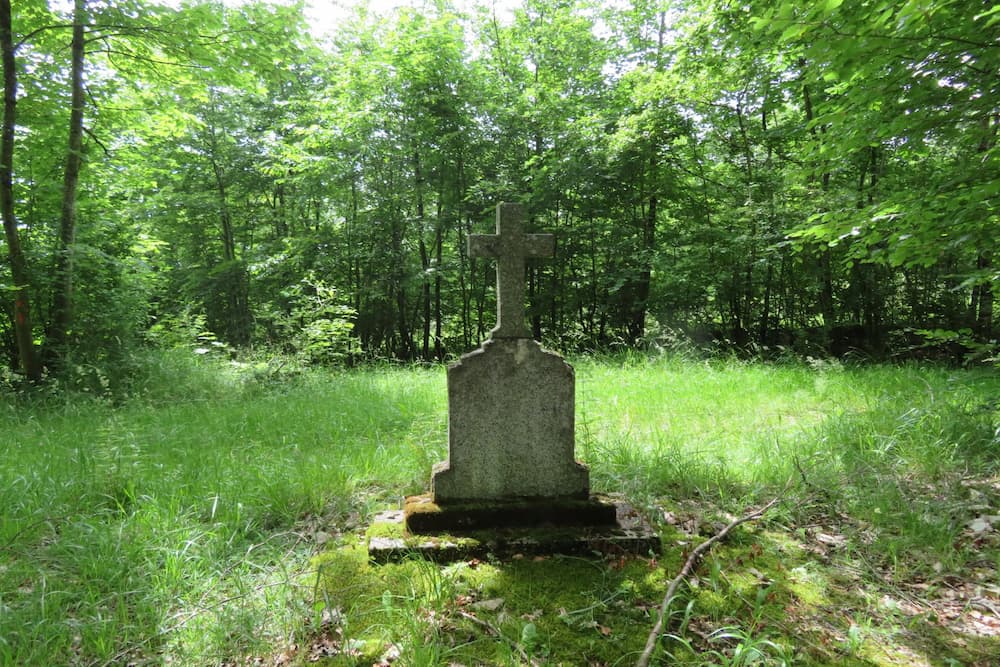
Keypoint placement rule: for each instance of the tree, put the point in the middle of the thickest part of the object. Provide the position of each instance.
(62, 298)
(906, 86)
(19, 270)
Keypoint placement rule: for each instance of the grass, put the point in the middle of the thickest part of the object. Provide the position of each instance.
(214, 515)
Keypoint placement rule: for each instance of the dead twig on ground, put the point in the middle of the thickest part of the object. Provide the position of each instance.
(692, 562)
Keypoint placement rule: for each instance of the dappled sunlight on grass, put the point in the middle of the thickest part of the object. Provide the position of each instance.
(179, 524)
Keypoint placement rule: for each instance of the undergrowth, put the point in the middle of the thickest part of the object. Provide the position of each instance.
(210, 513)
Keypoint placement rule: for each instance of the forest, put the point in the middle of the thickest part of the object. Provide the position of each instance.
(820, 178)
(236, 248)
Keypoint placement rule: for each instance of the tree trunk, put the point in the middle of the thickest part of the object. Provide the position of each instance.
(464, 288)
(234, 278)
(637, 325)
(438, 247)
(747, 296)
(18, 266)
(425, 263)
(984, 318)
(425, 299)
(826, 262)
(404, 348)
(763, 334)
(984, 314)
(62, 297)
(826, 306)
(637, 321)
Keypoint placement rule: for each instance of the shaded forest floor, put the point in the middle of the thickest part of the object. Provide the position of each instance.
(216, 516)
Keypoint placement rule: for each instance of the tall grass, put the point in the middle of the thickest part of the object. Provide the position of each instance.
(894, 446)
(121, 522)
(173, 524)
(732, 423)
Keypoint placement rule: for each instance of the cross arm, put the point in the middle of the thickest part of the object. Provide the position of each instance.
(539, 245)
(484, 245)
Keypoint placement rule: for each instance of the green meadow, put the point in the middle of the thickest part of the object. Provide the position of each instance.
(216, 515)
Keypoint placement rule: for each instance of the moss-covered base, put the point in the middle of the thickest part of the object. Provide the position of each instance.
(424, 516)
(600, 526)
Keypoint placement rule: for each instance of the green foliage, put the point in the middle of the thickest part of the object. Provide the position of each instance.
(318, 325)
(909, 79)
(765, 178)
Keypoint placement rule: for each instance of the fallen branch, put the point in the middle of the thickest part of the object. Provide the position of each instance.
(689, 566)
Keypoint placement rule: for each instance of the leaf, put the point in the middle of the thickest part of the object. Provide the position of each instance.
(993, 16)
(983, 524)
(793, 32)
(529, 634)
(493, 604)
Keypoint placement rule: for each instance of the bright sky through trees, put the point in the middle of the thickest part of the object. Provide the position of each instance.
(324, 15)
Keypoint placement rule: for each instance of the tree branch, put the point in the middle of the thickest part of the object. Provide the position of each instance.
(692, 562)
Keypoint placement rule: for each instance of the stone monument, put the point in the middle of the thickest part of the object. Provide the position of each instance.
(510, 403)
(511, 464)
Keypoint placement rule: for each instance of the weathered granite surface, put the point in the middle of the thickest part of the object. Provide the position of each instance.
(510, 426)
(510, 247)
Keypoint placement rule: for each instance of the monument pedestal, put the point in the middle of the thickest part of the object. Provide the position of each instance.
(449, 534)
(422, 515)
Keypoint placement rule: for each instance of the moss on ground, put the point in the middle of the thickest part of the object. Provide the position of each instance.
(766, 597)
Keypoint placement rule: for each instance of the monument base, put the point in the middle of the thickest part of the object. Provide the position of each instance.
(598, 526)
(422, 515)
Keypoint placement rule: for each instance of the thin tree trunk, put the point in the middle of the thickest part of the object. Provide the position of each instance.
(225, 218)
(464, 288)
(235, 279)
(438, 245)
(62, 298)
(18, 266)
(765, 315)
(984, 313)
(425, 299)
(404, 348)
(637, 326)
(984, 318)
(747, 295)
(425, 262)
(826, 263)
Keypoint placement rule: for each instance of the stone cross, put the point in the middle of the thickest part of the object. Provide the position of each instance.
(510, 246)
(510, 403)
(511, 427)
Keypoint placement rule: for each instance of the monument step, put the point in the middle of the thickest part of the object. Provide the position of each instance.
(626, 533)
(423, 515)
